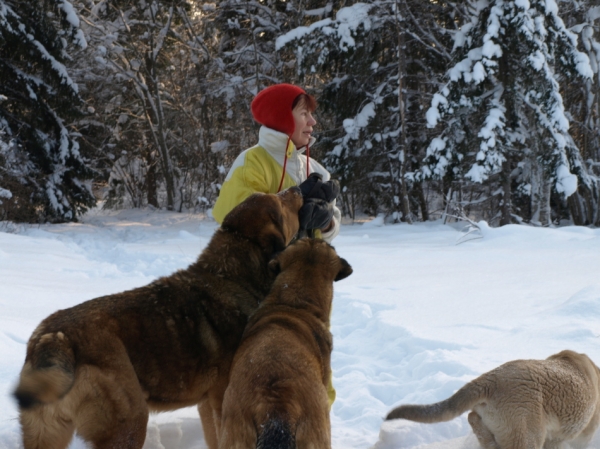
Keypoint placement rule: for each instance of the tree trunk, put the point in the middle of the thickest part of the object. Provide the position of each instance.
(150, 181)
(576, 209)
(418, 189)
(545, 208)
(157, 122)
(506, 208)
(584, 205)
(540, 195)
(404, 203)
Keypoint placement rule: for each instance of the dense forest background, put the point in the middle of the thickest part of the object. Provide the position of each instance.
(482, 109)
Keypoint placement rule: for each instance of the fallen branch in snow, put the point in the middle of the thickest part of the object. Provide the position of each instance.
(455, 210)
(470, 232)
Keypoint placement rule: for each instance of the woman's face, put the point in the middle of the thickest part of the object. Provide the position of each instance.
(304, 125)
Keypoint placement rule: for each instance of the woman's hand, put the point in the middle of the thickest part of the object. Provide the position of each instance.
(315, 214)
(314, 187)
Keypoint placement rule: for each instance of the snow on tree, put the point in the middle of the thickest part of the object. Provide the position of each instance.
(581, 101)
(133, 43)
(38, 98)
(170, 82)
(502, 108)
(331, 54)
(373, 64)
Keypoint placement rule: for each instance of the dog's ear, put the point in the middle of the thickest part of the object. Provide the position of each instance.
(273, 235)
(345, 271)
(274, 266)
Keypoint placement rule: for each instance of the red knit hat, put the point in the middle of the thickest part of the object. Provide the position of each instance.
(272, 107)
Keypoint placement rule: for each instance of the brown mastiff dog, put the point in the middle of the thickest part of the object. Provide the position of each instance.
(98, 368)
(277, 396)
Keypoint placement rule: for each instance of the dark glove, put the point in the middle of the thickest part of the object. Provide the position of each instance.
(315, 214)
(314, 187)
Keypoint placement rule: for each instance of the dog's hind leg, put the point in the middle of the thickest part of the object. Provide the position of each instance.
(45, 427)
(210, 410)
(112, 412)
(239, 432)
(208, 424)
(109, 406)
(520, 433)
(582, 440)
(483, 434)
(514, 433)
(313, 435)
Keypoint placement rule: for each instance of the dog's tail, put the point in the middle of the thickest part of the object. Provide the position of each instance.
(48, 373)
(276, 434)
(461, 401)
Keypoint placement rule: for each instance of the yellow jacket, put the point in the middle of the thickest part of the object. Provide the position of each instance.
(259, 169)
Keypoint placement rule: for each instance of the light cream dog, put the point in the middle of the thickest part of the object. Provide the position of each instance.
(524, 404)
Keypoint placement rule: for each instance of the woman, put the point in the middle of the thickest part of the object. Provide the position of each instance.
(278, 161)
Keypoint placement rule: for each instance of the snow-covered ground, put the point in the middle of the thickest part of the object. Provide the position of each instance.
(423, 313)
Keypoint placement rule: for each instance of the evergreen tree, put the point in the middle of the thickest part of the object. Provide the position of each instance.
(243, 62)
(582, 100)
(374, 64)
(504, 117)
(40, 161)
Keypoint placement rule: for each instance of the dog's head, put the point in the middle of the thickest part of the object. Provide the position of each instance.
(314, 258)
(270, 220)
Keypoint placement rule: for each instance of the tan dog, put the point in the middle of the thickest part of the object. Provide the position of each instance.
(277, 397)
(98, 368)
(524, 404)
